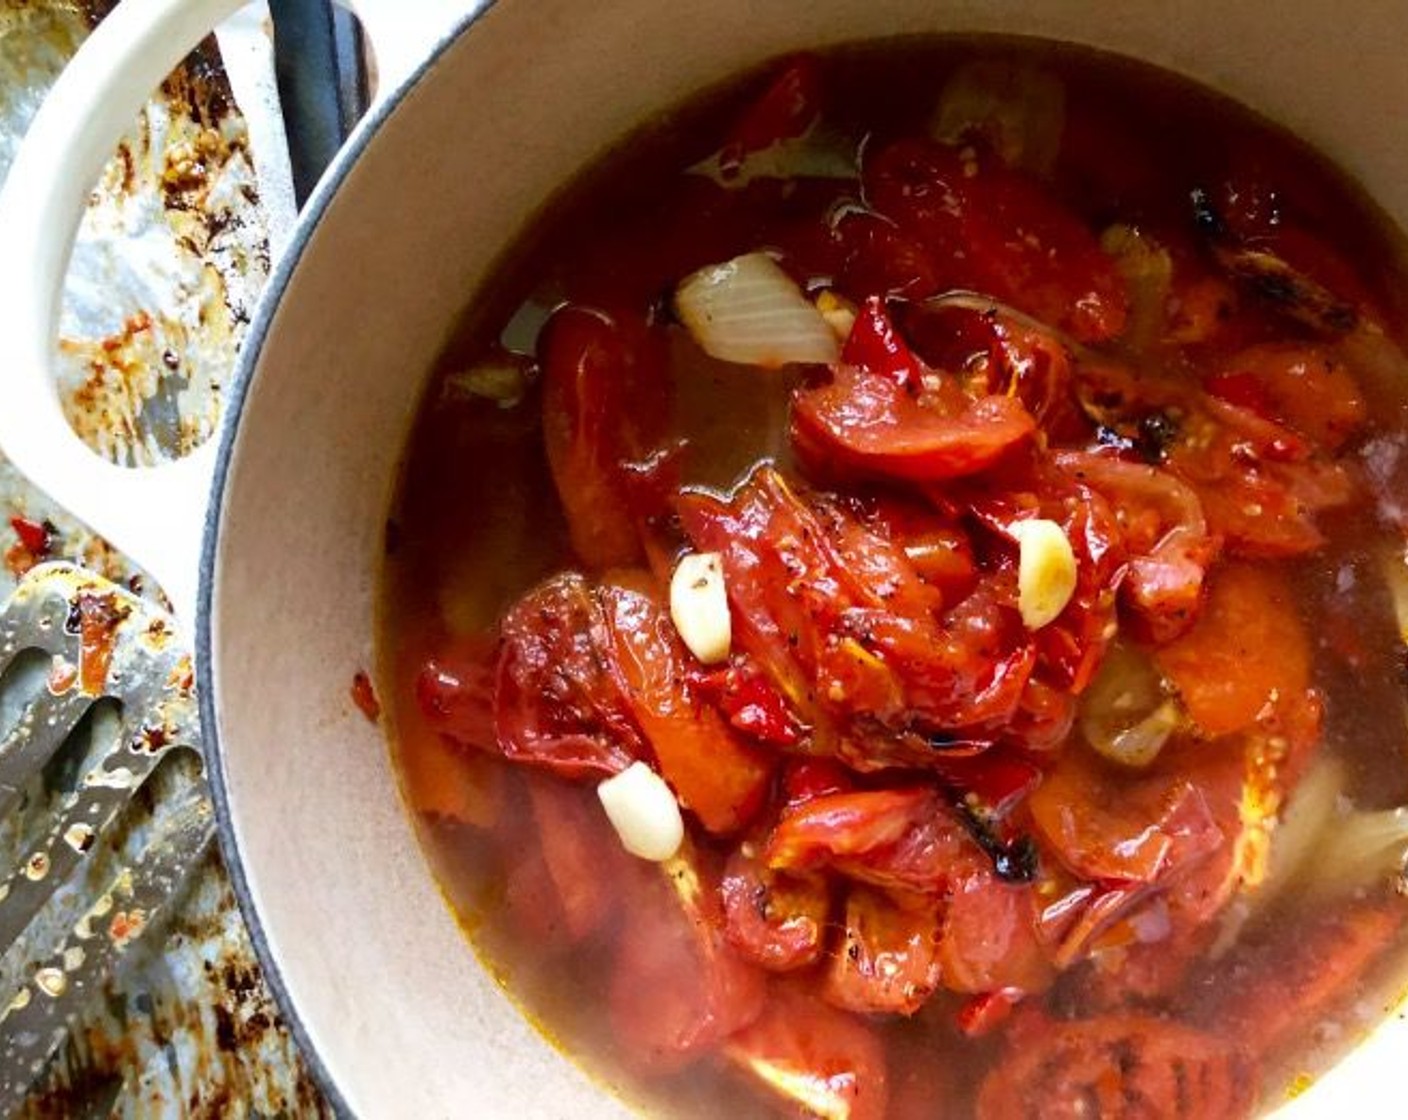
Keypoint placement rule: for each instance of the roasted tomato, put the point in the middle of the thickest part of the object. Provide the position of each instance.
(1306, 388)
(1119, 1068)
(843, 625)
(1070, 647)
(993, 230)
(887, 960)
(1275, 993)
(715, 773)
(906, 840)
(603, 399)
(814, 1058)
(1111, 828)
(455, 692)
(939, 549)
(868, 424)
(1248, 658)
(990, 941)
(557, 703)
(583, 857)
(1261, 485)
(678, 989)
(1164, 533)
(773, 919)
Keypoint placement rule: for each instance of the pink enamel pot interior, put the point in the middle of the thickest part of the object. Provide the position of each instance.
(388, 998)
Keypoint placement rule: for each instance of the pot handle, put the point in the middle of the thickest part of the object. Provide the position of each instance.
(156, 515)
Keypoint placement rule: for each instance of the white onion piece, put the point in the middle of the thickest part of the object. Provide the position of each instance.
(749, 311)
(644, 812)
(699, 606)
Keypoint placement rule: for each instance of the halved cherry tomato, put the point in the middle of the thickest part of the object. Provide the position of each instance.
(887, 961)
(1110, 828)
(773, 919)
(870, 425)
(556, 703)
(1304, 387)
(677, 989)
(717, 774)
(992, 229)
(905, 840)
(1247, 656)
(1274, 994)
(989, 938)
(813, 1057)
(603, 394)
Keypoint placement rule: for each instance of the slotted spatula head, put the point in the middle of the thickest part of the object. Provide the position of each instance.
(99, 824)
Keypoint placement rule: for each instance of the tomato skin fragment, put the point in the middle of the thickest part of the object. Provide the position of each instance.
(556, 704)
(751, 704)
(786, 109)
(876, 347)
(37, 537)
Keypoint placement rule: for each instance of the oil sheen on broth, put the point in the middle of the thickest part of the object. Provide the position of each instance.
(1247, 351)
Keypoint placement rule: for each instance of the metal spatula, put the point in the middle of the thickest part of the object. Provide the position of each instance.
(103, 807)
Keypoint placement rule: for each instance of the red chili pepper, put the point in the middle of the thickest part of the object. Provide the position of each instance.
(34, 535)
(751, 705)
(874, 346)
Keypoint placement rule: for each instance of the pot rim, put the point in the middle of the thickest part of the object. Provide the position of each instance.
(246, 369)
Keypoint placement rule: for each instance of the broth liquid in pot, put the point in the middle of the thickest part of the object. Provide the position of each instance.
(1161, 873)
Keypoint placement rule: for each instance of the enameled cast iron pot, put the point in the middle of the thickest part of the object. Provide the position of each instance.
(481, 115)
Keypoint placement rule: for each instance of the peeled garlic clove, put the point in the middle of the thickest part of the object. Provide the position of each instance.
(1046, 571)
(644, 812)
(699, 606)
